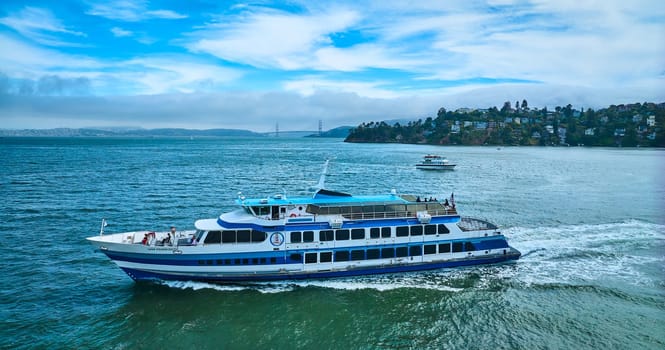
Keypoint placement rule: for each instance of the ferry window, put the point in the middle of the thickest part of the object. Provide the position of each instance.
(326, 235)
(388, 253)
(263, 260)
(296, 237)
(227, 261)
(199, 235)
(228, 236)
(401, 252)
(260, 211)
(325, 257)
(258, 236)
(213, 237)
(416, 230)
(341, 235)
(457, 247)
(402, 231)
(237, 262)
(358, 233)
(430, 229)
(308, 236)
(443, 229)
(296, 257)
(372, 254)
(430, 249)
(468, 246)
(415, 250)
(385, 232)
(220, 262)
(245, 261)
(243, 236)
(273, 260)
(310, 258)
(357, 255)
(444, 248)
(342, 255)
(374, 232)
(255, 261)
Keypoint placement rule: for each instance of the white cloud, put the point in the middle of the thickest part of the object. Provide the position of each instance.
(308, 86)
(130, 11)
(271, 39)
(119, 32)
(39, 25)
(178, 74)
(24, 60)
(166, 14)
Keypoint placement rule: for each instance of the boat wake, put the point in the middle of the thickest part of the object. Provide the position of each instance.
(621, 253)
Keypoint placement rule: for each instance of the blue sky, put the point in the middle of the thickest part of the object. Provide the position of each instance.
(250, 65)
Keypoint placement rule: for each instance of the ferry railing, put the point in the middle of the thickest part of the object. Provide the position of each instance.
(471, 224)
(396, 214)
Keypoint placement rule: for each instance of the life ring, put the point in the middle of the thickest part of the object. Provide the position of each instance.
(293, 215)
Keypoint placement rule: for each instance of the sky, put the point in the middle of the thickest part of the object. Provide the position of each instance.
(254, 65)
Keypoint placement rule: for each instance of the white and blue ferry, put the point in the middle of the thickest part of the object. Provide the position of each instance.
(329, 234)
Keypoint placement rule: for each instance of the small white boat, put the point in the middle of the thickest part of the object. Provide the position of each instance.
(434, 162)
(331, 234)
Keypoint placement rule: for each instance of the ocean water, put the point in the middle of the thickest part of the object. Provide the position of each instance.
(590, 223)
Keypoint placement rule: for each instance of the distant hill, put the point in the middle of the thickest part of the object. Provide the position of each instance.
(339, 132)
(86, 132)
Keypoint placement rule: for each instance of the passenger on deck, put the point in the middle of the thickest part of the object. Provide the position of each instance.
(168, 239)
(418, 199)
(446, 202)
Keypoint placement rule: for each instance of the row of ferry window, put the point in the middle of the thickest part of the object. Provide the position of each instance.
(353, 255)
(383, 253)
(235, 236)
(255, 236)
(374, 232)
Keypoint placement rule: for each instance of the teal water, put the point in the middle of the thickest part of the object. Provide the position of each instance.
(589, 222)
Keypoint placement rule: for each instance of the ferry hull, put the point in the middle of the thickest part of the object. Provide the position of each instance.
(224, 277)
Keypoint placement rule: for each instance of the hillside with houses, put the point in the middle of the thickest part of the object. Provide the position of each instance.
(625, 125)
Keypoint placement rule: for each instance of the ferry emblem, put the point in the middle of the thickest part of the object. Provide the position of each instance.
(277, 239)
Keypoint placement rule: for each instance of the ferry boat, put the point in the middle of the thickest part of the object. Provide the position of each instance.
(329, 234)
(435, 162)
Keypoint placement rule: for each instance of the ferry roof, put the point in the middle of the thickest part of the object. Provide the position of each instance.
(322, 197)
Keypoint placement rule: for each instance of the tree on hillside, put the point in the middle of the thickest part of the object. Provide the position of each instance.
(506, 107)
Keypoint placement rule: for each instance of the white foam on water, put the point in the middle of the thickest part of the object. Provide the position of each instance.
(378, 282)
(588, 253)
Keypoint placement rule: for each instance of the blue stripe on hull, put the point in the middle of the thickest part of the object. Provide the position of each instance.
(139, 275)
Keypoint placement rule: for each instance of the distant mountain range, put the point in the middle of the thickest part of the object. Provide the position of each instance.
(341, 132)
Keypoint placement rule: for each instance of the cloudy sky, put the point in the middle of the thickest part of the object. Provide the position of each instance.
(250, 65)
